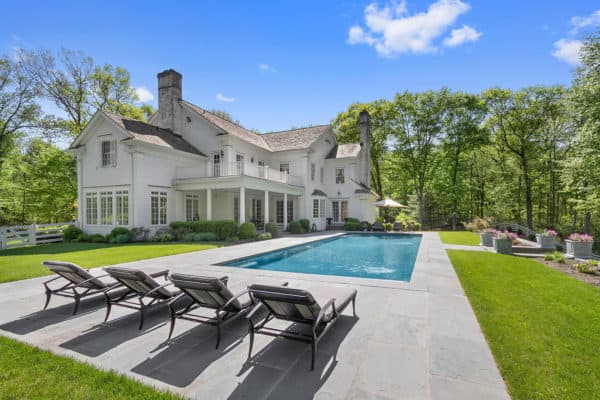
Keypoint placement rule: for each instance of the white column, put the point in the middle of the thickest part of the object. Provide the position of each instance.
(266, 207)
(285, 215)
(208, 204)
(242, 204)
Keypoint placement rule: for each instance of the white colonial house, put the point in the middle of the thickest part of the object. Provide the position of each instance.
(189, 164)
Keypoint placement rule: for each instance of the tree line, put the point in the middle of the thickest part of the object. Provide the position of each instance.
(37, 177)
(530, 156)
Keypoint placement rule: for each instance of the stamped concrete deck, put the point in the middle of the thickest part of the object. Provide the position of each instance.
(416, 340)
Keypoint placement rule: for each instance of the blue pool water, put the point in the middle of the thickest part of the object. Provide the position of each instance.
(378, 256)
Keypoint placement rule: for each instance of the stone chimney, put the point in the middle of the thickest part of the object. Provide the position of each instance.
(169, 94)
(364, 121)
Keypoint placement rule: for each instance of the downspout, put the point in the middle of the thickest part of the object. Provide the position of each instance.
(132, 187)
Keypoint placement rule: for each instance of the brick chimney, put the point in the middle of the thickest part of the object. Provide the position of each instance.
(169, 94)
(364, 120)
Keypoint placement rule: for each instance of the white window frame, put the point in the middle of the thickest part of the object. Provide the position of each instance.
(158, 207)
(342, 176)
(91, 208)
(257, 212)
(107, 211)
(121, 204)
(192, 206)
(108, 155)
(239, 160)
(282, 169)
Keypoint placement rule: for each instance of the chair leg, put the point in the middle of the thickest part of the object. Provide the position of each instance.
(141, 315)
(108, 308)
(354, 306)
(76, 305)
(251, 342)
(48, 295)
(218, 332)
(173, 318)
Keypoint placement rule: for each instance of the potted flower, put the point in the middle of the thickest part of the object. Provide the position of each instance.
(486, 237)
(580, 245)
(547, 239)
(503, 242)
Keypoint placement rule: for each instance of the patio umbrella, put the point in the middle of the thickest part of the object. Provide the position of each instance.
(389, 203)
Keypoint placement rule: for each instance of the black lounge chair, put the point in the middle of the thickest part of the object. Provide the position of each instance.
(398, 226)
(80, 283)
(207, 292)
(142, 287)
(299, 306)
(377, 226)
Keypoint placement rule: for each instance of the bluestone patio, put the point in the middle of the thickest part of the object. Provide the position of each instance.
(411, 340)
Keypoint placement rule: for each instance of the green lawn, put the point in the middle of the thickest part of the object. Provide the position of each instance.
(23, 263)
(542, 325)
(462, 237)
(31, 373)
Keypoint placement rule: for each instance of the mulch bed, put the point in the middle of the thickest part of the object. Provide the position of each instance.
(568, 269)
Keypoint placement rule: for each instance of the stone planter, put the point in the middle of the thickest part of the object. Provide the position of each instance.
(486, 239)
(545, 242)
(579, 249)
(502, 245)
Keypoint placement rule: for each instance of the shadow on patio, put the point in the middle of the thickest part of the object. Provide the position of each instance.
(53, 315)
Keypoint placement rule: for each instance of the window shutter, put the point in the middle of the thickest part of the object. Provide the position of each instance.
(113, 152)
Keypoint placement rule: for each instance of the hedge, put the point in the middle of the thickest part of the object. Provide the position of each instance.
(224, 229)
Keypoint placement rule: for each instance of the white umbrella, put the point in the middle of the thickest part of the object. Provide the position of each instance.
(389, 203)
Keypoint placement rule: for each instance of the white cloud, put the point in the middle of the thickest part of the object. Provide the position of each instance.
(144, 94)
(224, 98)
(391, 30)
(267, 68)
(583, 22)
(462, 35)
(567, 50)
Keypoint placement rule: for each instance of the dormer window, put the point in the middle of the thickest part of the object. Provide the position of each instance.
(108, 153)
(339, 176)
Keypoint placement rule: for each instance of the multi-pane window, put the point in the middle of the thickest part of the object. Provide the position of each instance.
(122, 207)
(108, 152)
(239, 164)
(315, 208)
(312, 172)
(158, 208)
(279, 211)
(322, 208)
(339, 175)
(91, 208)
(217, 164)
(257, 210)
(284, 167)
(191, 207)
(340, 210)
(106, 208)
(290, 210)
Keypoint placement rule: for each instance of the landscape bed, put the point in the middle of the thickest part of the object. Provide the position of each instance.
(376, 256)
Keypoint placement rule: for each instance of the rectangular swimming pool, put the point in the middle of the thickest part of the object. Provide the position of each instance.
(377, 256)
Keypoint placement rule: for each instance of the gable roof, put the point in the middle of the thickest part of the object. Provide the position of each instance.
(152, 134)
(344, 151)
(294, 139)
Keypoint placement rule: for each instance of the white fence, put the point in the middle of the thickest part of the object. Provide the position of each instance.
(26, 235)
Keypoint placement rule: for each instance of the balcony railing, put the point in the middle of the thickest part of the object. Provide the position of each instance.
(238, 169)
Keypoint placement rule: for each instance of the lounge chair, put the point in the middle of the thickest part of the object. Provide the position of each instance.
(377, 226)
(298, 306)
(207, 292)
(80, 283)
(398, 226)
(143, 287)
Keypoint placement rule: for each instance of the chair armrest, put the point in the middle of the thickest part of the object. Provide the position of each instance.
(254, 311)
(91, 279)
(330, 303)
(52, 280)
(231, 300)
(164, 272)
(157, 288)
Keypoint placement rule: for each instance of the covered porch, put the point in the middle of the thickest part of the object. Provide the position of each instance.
(241, 198)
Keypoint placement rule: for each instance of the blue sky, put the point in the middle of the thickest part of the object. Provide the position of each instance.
(317, 57)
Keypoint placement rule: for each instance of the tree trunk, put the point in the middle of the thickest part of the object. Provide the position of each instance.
(588, 223)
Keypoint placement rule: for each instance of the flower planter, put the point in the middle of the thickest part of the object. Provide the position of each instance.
(502, 245)
(579, 249)
(486, 239)
(545, 242)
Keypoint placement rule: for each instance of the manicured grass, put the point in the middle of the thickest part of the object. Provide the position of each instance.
(31, 373)
(462, 237)
(542, 325)
(23, 263)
